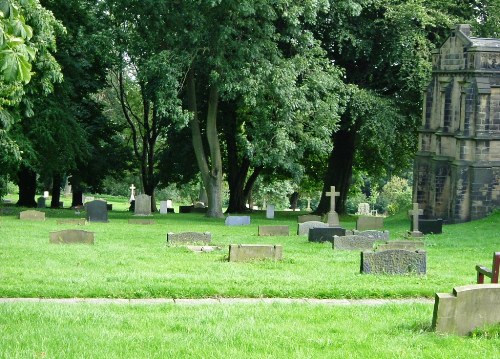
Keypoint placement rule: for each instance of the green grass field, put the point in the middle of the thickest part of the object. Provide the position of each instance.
(133, 261)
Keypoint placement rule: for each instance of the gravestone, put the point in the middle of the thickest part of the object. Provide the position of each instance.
(73, 221)
(45, 194)
(429, 226)
(189, 237)
(270, 211)
(406, 245)
(142, 205)
(274, 230)
(325, 234)
(72, 236)
(467, 308)
(170, 204)
(96, 211)
(379, 235)
(414, 214)
(163, 207)
(40, 203)
(185, 209)
(353, 243)
(333, 217)
(303, 228)
(394, 261)
(364, 223)
(308, 218)
(363, 209)
(132, 193)
(32, 215)
(141, 221)
(308, 208)
(246, 252)
(237, 220)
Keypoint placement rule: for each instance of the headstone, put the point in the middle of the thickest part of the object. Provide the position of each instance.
(189, 237)
(303, 228)
(32, 215)
(364, 223)
(40, 203)
(72, 236)
(237, 220)
(308, 208)
(333, 217)
(274, 230)
(353, 243)
(169, 203)
(429, 226)
(246, 252)
(467, 308)
(394, 261)
(132, 193)
(142, 205)
(141, 221)
(379, 235)
(185, 209)
(363, 209)
(308, 218)
(325, 234)
(73, 221)
(163, 207)
(96, 211)
(414, 214)
(270, 211)
(406, 245)
(45, 194)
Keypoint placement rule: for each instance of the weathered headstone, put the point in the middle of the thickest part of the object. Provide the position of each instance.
(414, 214)
(406, 245)
(32, 215)
(72, 236)
(303, 228)
(132, 193)
(364, 223)
(467, 308)
(308, 218)
(353, 243)
(163, 207)
(189, 237)
(274, 230)
(379, 235)
(246, 252)
(141, 221)
(363, 209)
(270, 211)
(96, 211)
(325, 234)
(429, 226)
(74, 221)
(45, 194)
(333, 217)
(40, 203)
(394, 261)
(237, 220)
(142, 205)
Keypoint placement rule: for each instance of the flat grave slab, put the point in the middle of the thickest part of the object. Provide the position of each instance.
(189, 237)
(141, 221)
(379, 235)
(394, 261)
(32, 215)
(72, 236)
(74, 221)
(304, 227)
(237, 220)
(353, 243)
(325, 234)
(364, 223)
(274, 231)
(247, 252)
(406, 245)
(308, 218)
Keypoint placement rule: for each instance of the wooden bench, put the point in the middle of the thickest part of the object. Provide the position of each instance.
(490, 273)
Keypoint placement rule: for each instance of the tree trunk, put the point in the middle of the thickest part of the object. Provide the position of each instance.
(56, 190)
(339, 171)
(294, 199)
(27, 187)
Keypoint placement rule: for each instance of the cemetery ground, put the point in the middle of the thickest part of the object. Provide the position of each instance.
(133, 261)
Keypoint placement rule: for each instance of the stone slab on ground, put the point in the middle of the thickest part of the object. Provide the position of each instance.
(467, 308)
(247, 252)
(364, 223)
(74, 221)
(72, 236)
(274, 230)
(406, 245)
(201, 249)
(189, 237)
(394, 261)
(32, 215)
(237, 220)
(304, 227)
(325, 234)
(379, 235)
(308, 218)
(353, 243)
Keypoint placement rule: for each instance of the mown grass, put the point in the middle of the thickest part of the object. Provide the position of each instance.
(133, 261)
(230, 331)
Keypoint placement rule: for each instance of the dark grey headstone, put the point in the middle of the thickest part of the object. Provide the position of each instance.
(189, 237)
(96, 211)
(394, 261)
(325, 234)
(353, 243)
(429, 226)
(237, 220)
(185, 209)
(72, 236)
(40, 203)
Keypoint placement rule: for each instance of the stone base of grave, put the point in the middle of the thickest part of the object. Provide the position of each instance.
(333, 219)
(415, 234)
(247, 252)
(325, 234)
(308, 218)
(353, 243)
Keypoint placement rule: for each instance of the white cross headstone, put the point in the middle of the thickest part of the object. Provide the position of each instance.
(415, 212)
(308, 209)
(333, 217)
(132, 193)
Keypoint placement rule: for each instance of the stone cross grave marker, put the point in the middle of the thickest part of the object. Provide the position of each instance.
(333, 217)
(132, 193)
(142, 205)
(415, 212)
(270, 211)
(308, 209)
